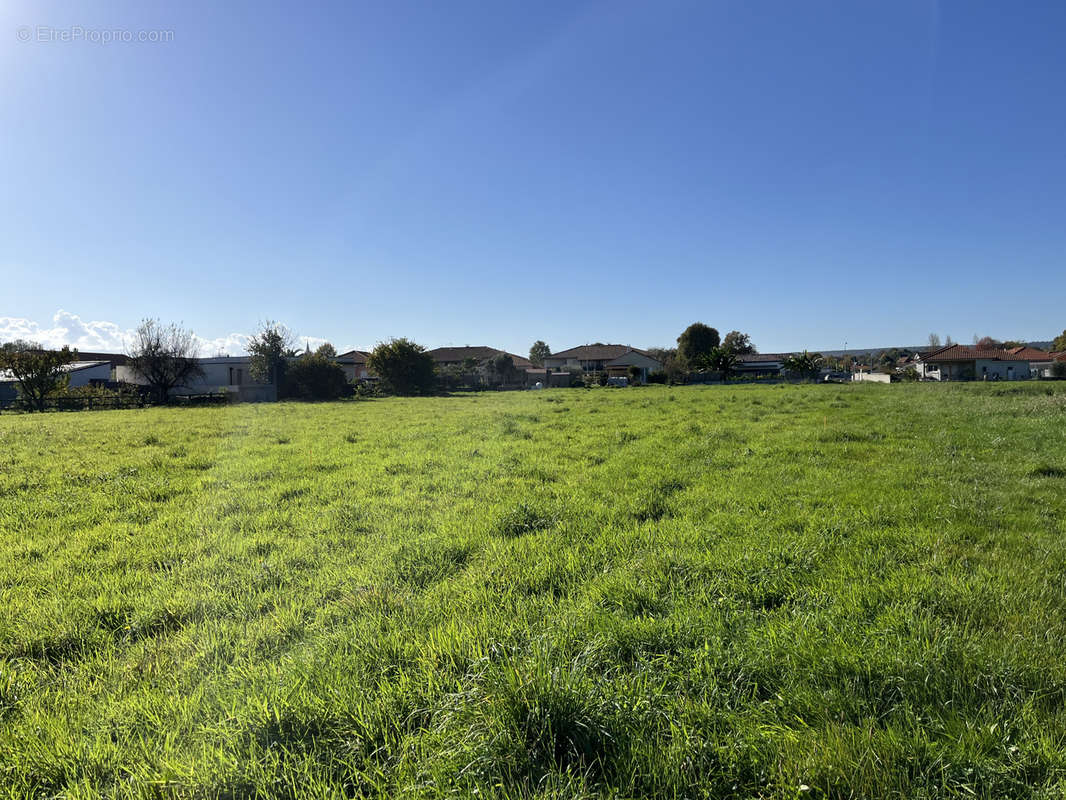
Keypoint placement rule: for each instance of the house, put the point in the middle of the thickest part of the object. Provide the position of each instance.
(460, 356)
(760, 365)
(354, 365)
(613, 359)
(1040, 361)
(221, 373)
(958, 362)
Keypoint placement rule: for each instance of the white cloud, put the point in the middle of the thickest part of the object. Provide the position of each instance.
(107, 337)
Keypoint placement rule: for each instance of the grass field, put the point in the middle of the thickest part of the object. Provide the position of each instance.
(780, 592)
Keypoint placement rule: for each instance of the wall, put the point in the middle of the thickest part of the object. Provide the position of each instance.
(1005, 370)
(871, 377)
(82, 377)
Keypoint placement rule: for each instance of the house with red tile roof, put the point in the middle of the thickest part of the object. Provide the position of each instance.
(960, 362)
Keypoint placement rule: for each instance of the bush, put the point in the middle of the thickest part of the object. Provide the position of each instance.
(404, 367)
(316, 377)
(659, 376)
(1058, 370)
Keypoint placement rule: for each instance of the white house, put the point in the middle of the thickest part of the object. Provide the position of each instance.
(221, 373)
(959, 362)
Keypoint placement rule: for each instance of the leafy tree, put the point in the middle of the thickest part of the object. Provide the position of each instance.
(37, 372)
(403, 366)
(326, 351)
(673, 369)
(988, 341)
(538, 352)
(164, 356)
(1010, 343)
(270, 349)
(1058, 370)
(634, 373)
(695, 344)
(500, 369)
(316, 377)
(724, 360)
(1059, 344)
(803, 365)
(738, 343)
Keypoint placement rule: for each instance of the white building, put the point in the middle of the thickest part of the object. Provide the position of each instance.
(221, 373)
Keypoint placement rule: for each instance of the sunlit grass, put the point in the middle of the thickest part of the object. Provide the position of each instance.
(843, 591)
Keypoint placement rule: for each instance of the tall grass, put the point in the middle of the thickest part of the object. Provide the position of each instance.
(781, 592)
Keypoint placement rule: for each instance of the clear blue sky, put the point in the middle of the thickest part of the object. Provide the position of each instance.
(498, 172)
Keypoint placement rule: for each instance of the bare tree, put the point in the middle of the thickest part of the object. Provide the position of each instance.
(164, 356)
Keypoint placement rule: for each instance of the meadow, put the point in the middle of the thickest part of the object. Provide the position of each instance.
(753, 591)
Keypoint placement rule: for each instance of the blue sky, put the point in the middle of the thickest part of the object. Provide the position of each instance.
(494, 173)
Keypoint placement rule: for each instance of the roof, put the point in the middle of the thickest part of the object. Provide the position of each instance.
(1030, 353)
(114, 359)
(1059, 356)
(73, 366)
(481, 353)
(756, 358)
(355, 356)
(963, 352)
(599, 352)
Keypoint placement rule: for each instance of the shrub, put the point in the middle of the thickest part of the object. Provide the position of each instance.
(405, 368)
(316, 377)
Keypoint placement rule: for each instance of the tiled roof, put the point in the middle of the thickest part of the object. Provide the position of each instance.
(598, 352)
(1030, 353)
(355, 356)
(962, 352)
(483, 353)
(760, 358)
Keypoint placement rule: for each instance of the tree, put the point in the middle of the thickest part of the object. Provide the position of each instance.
(37, 372)
(1059, 344)
(948, 341)
(695, 344)
(538, 352)
(316, 377)
(404, 367)
(672, 369)
(803, 365)
(270, 350)
(1058, 370)
(500, 369)
(164, 356)
(988, 341)
(934, 340)
(724, 360)
(738, 343)
(326, 351)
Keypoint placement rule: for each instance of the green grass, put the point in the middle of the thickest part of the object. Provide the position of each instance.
(778, 592)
